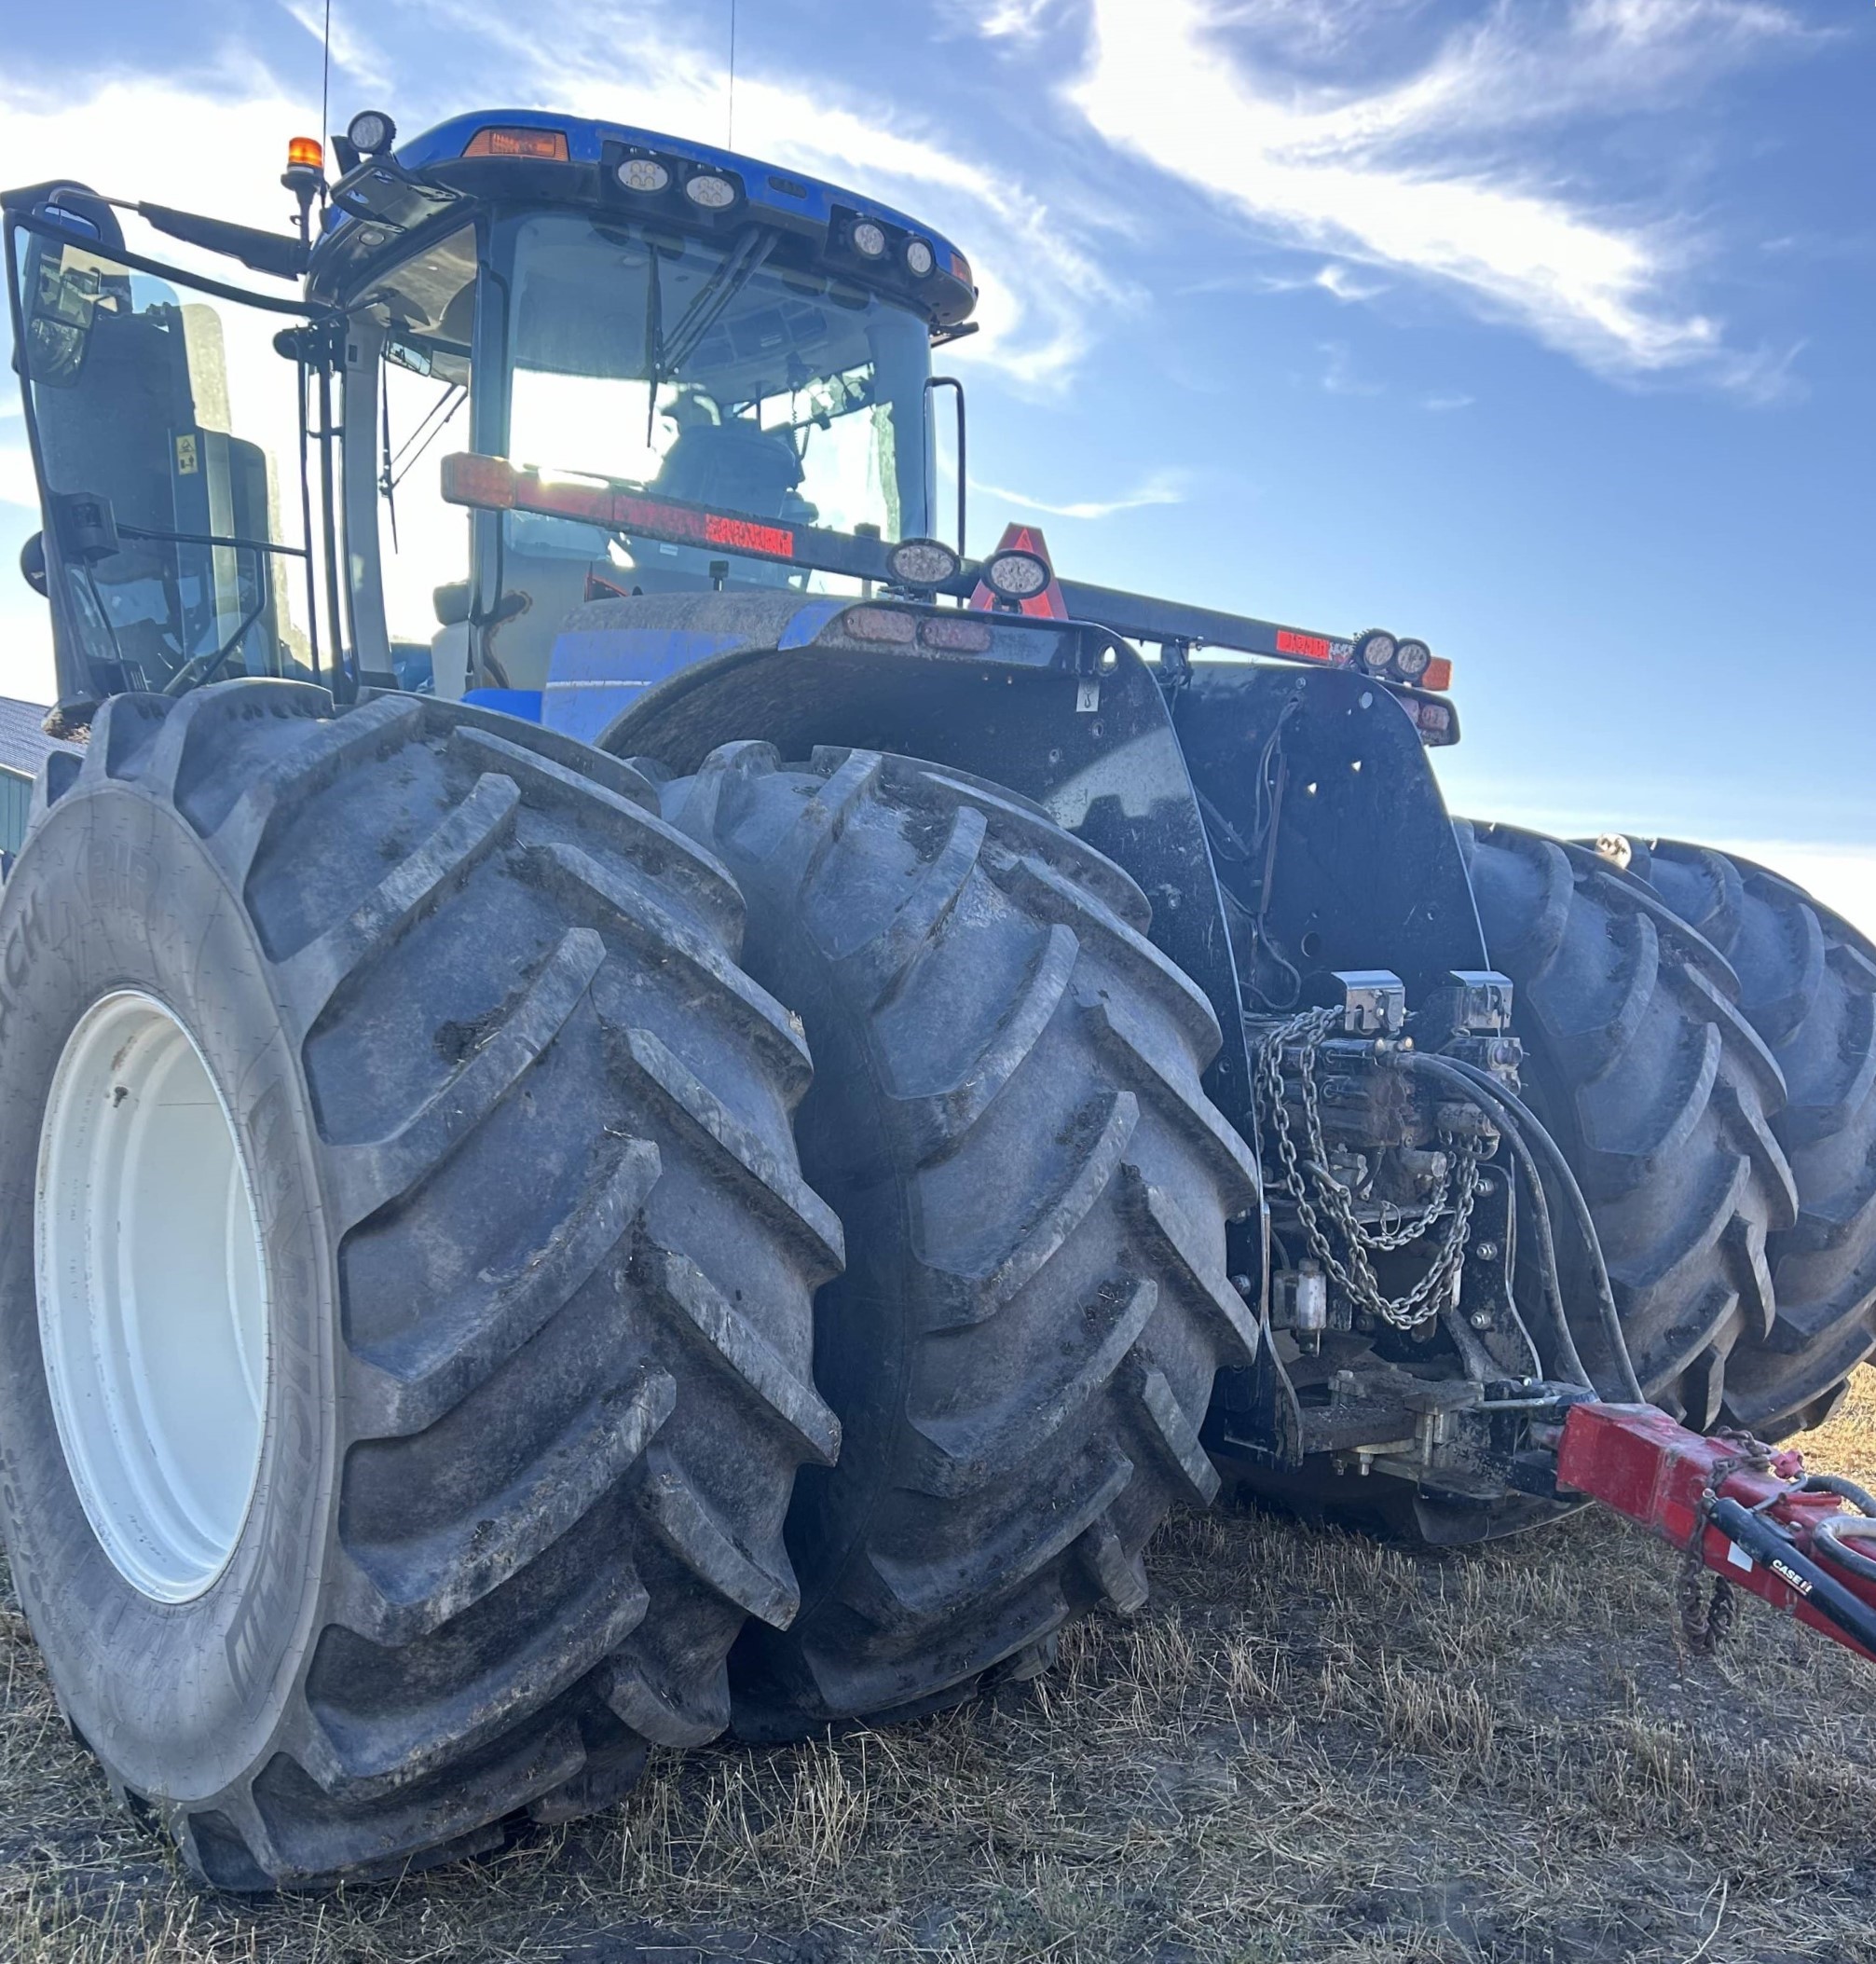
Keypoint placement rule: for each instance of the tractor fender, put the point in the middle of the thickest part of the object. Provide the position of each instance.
(1332, 840)
(608, 653)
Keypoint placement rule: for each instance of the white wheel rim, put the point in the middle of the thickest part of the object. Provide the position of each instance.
(153, 1298)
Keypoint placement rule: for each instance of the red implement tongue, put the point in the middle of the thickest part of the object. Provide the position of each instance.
(1746, 1506)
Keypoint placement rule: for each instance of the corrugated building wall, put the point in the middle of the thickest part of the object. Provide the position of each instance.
(16, 801)
(24, 748)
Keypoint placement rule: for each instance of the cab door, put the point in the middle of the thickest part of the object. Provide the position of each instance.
(168, 437)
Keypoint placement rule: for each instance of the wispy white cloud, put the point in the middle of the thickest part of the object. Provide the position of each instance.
(1010, 19)
(1041, 284)
(1340, 377)
(1415, 169)
(1345, 284)
(361, 58)
(1157, 487)
(1445, 404)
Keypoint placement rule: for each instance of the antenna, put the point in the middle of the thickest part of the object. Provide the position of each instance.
(729, 133)
(326, 72)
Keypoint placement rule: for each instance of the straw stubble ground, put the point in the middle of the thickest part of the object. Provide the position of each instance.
(1309, 1747)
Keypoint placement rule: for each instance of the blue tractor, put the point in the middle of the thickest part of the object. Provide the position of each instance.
(653, 1102)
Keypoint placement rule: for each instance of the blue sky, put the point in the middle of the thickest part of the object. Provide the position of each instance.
(1540, 330)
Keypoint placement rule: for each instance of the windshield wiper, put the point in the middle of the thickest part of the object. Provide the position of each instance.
(704, 311)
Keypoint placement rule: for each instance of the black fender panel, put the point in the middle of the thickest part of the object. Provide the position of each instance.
(1346, 858)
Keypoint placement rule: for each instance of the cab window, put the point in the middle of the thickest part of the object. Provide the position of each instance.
(178, 541)
(423, 312)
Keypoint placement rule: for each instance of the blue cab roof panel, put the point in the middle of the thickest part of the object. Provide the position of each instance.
(788, 198)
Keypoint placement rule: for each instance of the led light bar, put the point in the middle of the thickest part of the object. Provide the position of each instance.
(956, 633)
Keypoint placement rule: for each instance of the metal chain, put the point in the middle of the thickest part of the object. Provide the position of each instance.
(1356, 1277)
(1705, 1626)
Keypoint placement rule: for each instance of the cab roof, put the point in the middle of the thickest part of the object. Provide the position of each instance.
(824, 215)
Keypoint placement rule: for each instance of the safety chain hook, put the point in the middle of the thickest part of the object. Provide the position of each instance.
(1307, 1180)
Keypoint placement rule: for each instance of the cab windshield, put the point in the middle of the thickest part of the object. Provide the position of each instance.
(704, 370)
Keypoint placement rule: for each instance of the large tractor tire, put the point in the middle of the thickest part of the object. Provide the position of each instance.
(1006, 1116)
(1807, 983)
(1662, 1096)
(401, 1423)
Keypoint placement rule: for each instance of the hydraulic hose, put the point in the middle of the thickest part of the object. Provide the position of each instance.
(1860, 1497)
(1820, 1589)
(1516, 1117)
(1522, 1117)
(1833, 1538)
(1835, 1534)
(1567, 1353)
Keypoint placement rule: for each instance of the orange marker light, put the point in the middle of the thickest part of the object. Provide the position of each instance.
(304, 153)
(548, 144)
(1438, 676)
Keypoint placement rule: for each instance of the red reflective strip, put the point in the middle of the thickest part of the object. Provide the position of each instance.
(590, 502)
(649, 515)
(484, 482)
(1314, 646)
(746, 536)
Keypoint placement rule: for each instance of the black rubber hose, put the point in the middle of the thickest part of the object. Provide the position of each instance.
(1860, 1497)
(1520, 1118)
(1833, 1539)
(1835, 1534)
(1523, 1116)
(1541, 1215)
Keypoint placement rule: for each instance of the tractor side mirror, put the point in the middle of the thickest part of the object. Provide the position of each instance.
(61, 297)
(32, 565)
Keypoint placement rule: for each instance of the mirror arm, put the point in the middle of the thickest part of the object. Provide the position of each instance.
(281, 256)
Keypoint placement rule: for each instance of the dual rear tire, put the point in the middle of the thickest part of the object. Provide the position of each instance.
(411, 1358)
(1701, 1037)
(409, 1355)
(417, 1345)
(1006, 1115)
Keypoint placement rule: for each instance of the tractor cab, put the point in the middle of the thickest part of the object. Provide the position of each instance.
(236, 481)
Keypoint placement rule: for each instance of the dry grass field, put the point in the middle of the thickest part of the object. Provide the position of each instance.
(1309, 1748)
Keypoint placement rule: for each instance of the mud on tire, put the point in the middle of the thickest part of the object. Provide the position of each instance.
(1006, 1116)
(539, 1257)
(1807, 984)
(1662, 1096)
